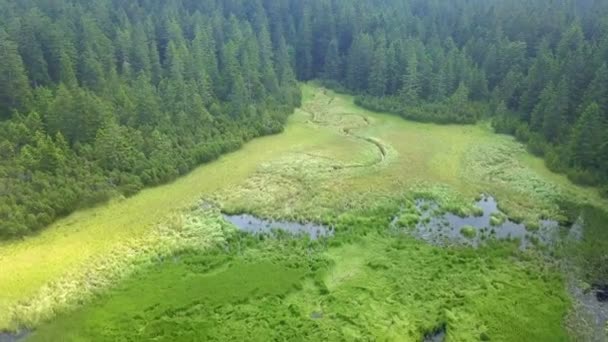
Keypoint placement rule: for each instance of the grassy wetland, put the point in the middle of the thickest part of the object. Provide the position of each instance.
(166, 264)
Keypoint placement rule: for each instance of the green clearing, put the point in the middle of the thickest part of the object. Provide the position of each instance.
(335, 164)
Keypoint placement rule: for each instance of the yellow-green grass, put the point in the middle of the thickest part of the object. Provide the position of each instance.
(453, 163)
(27, 265)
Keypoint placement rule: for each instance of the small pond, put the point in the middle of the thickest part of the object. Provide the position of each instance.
(14, 337)
(438, 335)
(474, 230)
(254, 225)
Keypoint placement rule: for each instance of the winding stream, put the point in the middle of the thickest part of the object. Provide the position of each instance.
(348, 131)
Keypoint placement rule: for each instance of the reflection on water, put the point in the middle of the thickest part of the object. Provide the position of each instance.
(254, 225)
(436, 336)
(448, 228)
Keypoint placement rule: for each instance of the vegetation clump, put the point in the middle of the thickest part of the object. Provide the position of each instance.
(497, 219)
(408, 220)
(469, 232)
(225, 292)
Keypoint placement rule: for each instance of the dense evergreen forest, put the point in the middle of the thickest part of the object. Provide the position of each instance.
(100, 98)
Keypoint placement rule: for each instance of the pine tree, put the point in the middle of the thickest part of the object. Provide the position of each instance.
(14, 89)
(410, 89)
(238, 97)
(116, 148)
(359, 62)
(30, 48)
(586, 139)
(333, 63)
(378, 72)
(598, 90)
(510, 88)
(460, 97)
(550, 113)
(91, 72)
(393, 70)
(304, 66)
(67, 76)
(545, 106)
(139, 53)
(538, 77)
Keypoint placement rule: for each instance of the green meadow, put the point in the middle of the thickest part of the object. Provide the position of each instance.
(164, 264)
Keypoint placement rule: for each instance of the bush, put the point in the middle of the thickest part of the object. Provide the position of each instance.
(505, 125)
(604, 191)
(497, 219)
(469, 232)
(537, 145)
(522, 133)
(583, 177)
(437, 112)
(553, 161)
(335, 86)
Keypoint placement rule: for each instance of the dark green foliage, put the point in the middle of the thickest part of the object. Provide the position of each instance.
(539, 69)
(137, 93)
(14, 90)
(452, 110)
(587, 138)
(590, 251)
(104, 98)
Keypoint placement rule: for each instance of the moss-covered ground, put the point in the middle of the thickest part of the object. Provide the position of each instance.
(164, 265)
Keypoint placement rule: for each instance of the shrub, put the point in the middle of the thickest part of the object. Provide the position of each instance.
(554, 161)
(469, 232)
(536, 145)
(522, 133)
(409, 220)
(604, 191)
(582, 177)
(497, 219)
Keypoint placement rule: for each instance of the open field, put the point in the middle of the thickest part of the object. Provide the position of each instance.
(335, 164)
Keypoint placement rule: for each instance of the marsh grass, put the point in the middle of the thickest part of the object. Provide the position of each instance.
(497, 219)
(346, 287)
(195, 230)
(468, 232)
(337, 165)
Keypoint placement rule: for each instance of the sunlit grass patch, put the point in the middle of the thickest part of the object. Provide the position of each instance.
(68, 248)
(193, 231)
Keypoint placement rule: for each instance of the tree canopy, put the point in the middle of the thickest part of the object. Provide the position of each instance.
(99, 98)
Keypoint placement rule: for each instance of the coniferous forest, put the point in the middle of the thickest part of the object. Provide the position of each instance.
(103, 98)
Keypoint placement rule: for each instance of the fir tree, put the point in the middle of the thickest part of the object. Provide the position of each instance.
(14, 90)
